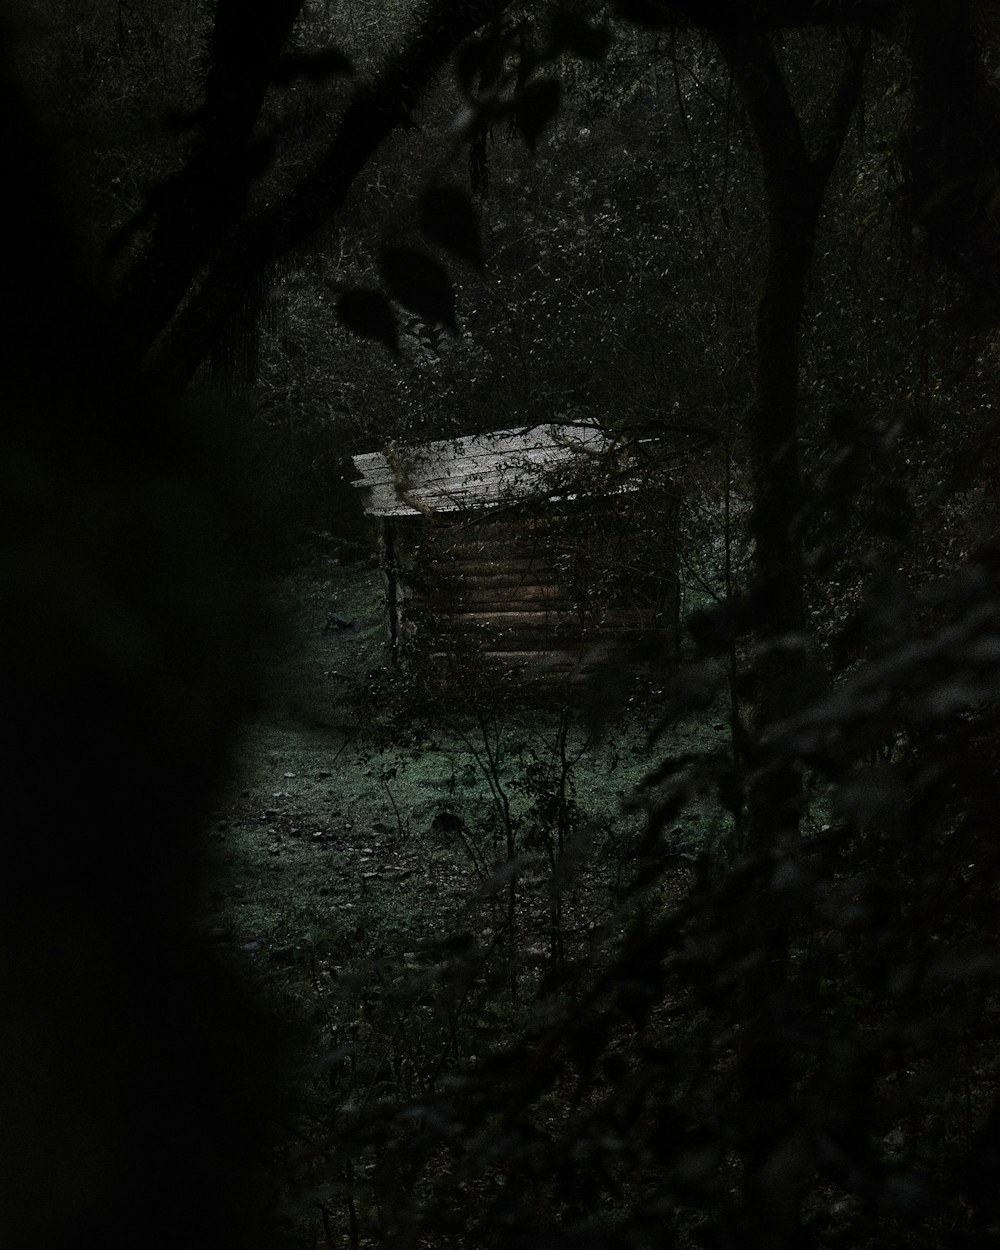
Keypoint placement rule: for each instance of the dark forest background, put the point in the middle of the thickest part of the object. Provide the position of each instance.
(248, 238)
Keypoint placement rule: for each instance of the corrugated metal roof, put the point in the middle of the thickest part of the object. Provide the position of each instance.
(477, 471)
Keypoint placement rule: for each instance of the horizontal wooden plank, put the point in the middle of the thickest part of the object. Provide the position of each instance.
(472, 471)
(439, 473)
(564, 660)
(580, 642)
(514, 620)
(487, 565)
(513, 580)
(504, 639)
(515, 601)
(458, 548)
(458, 616)
(560, 542)
(485, 449)
(426, 602)
(538, 572)
(525, 581)
(526, 640)
(456, 588)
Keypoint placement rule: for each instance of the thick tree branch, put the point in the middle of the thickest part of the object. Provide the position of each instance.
(953, 151)
(246, 43)
(838, 121)
(195, 207)
(261, 238)
(794, 184)
(775, 123)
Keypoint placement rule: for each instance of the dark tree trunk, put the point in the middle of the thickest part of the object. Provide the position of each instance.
(954, 142)
(206, 253)
(794, 185)
(195, 208)
(135, 1081)
(793, 208)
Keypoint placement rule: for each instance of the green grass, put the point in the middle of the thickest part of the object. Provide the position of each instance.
(330, 820)
(372, 924)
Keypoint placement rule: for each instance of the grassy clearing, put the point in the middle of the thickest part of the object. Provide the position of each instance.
(346, 826)
(432, 900)
(364, 856)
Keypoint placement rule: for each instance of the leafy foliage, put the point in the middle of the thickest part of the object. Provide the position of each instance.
(420, 284)
(788, 1040)
(369, 314)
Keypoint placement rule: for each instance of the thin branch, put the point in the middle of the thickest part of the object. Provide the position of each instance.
(274, 231)
(754, 66)
(201, 201)
(842, 108)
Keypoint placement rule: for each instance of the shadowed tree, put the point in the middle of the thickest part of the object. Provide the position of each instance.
(132, 1090)
(208, 246)
(796, 171)
(134, 1077)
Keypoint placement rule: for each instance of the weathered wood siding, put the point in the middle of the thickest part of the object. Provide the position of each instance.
(473, 473)
(525, 547)
(541, 592)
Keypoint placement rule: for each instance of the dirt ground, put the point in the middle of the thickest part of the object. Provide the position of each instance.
(307, 838)
(349, 832)
(359, 862)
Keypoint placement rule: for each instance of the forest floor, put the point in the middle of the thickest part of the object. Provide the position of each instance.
(386, 874)
(357, 833)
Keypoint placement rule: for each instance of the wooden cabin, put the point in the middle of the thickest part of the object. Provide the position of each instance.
(525, 550)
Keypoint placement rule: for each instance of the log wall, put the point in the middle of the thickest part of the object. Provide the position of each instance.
(539, 593)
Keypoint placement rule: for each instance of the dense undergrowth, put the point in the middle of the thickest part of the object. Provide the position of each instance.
(411, 875)
(534, 979)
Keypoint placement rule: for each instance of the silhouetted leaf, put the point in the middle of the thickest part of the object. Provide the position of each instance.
(571, 33)
(258, 156)
(447, 217)
(312, 66)
(670, 767)
(369, 314)
(479, 64)
(420, 284)
(870, 794)
(976, 312)
(890, 512)
(536, 108)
